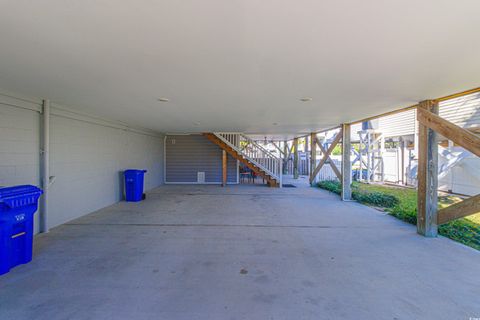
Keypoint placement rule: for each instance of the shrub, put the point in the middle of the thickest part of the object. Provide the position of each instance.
(370, 197)
(331, 185)
(375, 198)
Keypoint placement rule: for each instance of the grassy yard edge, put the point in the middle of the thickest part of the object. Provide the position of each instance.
(402, 204)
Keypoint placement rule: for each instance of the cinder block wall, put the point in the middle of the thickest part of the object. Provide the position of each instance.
(19, 145)
(87, 156)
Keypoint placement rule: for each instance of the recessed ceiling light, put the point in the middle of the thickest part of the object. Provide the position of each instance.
(163, 99)
(306, 99)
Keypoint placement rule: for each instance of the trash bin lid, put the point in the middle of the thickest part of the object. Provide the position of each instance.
(134, 171)
(19, 196)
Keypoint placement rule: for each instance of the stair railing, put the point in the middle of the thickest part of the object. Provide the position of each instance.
(253, 152)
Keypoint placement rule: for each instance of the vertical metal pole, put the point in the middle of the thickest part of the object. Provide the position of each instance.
(346, 164)
(45, 166)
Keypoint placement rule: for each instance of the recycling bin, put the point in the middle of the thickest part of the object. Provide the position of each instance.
(17, 206)
(134, 185)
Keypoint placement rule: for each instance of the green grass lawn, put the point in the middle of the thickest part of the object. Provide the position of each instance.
(402, 203)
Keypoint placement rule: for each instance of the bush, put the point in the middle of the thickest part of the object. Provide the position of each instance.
(332, 186)
(370, 197)
(375, 198)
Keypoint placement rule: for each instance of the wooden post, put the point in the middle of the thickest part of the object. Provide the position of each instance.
(346, 164)
(224, 168)
(313, 156)
(295, 158)
(427, 175)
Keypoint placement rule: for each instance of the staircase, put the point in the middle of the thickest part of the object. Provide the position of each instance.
(251, 154)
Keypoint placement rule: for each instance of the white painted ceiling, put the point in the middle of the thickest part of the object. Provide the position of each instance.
(239, 65)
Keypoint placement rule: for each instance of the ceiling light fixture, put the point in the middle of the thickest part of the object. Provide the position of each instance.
(306, 99)
(163, 99)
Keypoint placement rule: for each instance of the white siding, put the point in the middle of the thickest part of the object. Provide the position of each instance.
(463, 111)
(399, 124)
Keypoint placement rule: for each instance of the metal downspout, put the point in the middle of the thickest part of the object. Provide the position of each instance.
(44, 166)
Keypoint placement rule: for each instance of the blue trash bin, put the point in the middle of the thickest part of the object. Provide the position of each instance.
(17, 207)
(134, 185)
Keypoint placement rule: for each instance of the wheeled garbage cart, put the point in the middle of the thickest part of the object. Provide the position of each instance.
(17, 206)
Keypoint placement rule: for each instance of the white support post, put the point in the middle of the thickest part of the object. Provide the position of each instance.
(369, 163)
(360, 151)
(382, 153)
(280, 163)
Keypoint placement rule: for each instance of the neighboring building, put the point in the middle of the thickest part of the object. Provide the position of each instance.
(399, 132)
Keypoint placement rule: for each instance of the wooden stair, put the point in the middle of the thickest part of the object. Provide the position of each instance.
(271, 181)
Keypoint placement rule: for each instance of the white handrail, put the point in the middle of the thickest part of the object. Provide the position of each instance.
(253, 152)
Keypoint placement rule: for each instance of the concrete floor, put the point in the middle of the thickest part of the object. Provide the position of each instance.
(242, 252)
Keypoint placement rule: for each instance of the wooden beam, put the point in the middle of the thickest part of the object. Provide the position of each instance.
(458, 135)
(475, 130)
(327, 154)
(389, 113)
(459, 94)
(295, 158)
(224, 168)
(346, 178)
(427, 175)
(330, 162)
(459, 210)
(313, 155)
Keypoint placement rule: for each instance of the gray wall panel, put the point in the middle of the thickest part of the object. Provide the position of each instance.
(188, 154)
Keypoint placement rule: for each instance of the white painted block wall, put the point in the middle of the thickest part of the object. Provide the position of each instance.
(88, 161)
(86, 157)
(19, 146)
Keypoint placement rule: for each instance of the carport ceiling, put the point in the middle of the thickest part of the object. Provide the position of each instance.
(239, 65)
